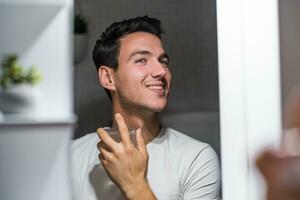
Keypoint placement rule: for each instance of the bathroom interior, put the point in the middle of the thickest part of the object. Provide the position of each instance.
(207, 102)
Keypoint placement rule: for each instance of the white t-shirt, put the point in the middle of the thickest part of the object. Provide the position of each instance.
(179, 167)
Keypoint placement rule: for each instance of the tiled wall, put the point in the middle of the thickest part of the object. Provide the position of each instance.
(191, 42)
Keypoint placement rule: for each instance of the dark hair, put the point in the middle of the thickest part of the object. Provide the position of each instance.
(106, 50)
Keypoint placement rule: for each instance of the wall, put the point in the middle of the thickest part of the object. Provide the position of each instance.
(37, 32)
(190, 41)
(289, 17)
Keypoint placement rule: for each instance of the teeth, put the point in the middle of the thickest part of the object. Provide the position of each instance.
(155, 87)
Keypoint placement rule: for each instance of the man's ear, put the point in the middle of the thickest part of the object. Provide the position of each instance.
(106, 79)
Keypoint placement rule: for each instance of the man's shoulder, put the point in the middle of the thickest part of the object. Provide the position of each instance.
(182, 140)
(84, 141)
(186, 147)
(194, 159)
(83, 153)
(85, 146)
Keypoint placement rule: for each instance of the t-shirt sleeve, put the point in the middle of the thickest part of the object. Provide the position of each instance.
(201, 175)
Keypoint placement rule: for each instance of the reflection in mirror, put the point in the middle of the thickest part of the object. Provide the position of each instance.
(178, 165)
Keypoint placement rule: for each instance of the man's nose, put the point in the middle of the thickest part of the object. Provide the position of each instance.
(159, 69)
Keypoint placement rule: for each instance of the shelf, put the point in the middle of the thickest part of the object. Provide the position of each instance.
(32, 2)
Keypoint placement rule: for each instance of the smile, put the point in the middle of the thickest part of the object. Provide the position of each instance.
(155, 87)
(158, 89)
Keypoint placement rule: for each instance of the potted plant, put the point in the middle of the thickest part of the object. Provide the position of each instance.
(80, 37)
(17, 83)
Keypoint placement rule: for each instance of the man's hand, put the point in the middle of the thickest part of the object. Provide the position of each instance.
(282, 175)
(125, 165)
(281, 168)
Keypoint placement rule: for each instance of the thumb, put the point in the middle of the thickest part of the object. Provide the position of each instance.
(140, 141)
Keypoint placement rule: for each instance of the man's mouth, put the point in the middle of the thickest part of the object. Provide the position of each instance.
(158, 88)
(155, 87)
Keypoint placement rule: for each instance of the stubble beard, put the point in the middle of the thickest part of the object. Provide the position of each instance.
(135, 106)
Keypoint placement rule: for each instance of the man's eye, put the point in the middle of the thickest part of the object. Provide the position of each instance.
(141, 60)
(164, 62)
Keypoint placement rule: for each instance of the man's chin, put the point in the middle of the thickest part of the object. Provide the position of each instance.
(158, 108)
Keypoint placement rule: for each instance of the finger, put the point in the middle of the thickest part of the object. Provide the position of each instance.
(105, 154)
(140, 141)
(101, 157)
(269, 163)
(104, 146)
(124, 133)
(102, 160)
(291, 142)
(106, 139)
(264, 159)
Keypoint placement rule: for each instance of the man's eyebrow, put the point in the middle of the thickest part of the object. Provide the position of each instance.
(142, 52)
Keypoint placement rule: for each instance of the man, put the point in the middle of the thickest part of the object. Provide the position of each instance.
(281, 169)
(132, 66)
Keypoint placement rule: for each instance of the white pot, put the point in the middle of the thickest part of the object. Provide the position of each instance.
(18, 99)
(80, 46)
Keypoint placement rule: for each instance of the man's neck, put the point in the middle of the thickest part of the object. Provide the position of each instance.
(148, 122)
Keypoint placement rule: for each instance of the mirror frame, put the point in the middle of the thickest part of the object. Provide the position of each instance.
(249, 88)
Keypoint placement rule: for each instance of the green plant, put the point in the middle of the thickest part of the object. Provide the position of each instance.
(80, 25)
(13, 73)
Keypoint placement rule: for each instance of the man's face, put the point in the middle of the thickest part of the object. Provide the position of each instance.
(142, 79)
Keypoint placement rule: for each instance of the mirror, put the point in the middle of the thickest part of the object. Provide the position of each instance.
(190, 41)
